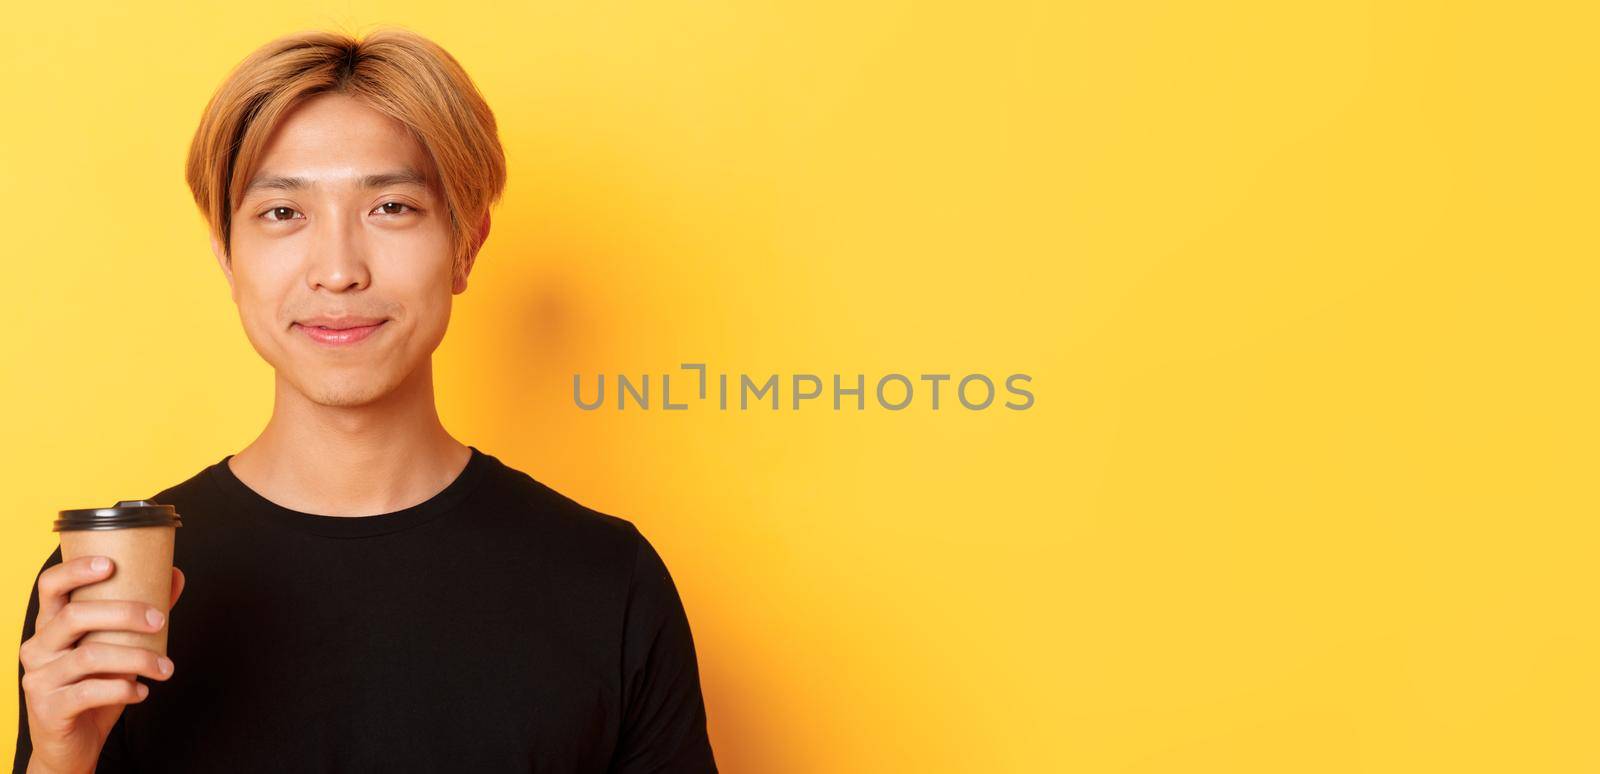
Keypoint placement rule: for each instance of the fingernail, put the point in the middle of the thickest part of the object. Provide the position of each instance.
(165, 665)
(154, 616)
(99, 564)
(144, 690)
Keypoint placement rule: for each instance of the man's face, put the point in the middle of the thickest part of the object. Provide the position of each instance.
(336, 231)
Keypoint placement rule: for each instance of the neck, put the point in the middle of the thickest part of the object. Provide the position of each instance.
(363, 460)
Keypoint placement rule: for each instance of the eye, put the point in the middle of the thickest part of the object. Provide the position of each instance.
(279, 211)
(398, 208)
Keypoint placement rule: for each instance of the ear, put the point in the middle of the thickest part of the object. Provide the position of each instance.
(224, 261)
(459, 284)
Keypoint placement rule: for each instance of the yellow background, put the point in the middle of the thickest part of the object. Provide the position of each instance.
(1306, 291)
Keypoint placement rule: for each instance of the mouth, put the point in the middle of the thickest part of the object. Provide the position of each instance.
(336, 333)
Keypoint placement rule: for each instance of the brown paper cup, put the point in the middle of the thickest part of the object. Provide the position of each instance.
(138, 536)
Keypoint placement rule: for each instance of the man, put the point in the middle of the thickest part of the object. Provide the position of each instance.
(361, 591)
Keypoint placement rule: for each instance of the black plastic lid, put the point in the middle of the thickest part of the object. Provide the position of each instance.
(126, 514)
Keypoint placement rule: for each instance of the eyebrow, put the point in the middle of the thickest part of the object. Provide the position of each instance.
(405, 175)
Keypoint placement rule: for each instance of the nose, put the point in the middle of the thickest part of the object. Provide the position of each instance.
(338, 257)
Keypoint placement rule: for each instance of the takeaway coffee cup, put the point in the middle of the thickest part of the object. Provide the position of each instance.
(138, 535)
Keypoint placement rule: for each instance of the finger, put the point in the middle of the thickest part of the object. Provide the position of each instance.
(177, 587)
(83, 616)
(57, 583)
(72, 700)
(98, 659)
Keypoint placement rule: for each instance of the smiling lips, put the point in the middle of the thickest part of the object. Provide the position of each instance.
(338, 331)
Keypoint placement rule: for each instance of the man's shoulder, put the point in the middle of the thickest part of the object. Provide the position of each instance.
(519, 515)
(527, 498)
(191, 489)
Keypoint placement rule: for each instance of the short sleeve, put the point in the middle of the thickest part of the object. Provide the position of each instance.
(664, 713)
(113, 755)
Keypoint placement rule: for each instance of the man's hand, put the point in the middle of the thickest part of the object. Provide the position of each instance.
(76, 691)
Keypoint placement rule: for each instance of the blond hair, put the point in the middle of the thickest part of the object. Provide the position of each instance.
(396, 72)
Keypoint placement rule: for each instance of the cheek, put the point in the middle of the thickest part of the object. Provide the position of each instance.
(258, 315)
(259, 295)
(416, 272)
(429, 307)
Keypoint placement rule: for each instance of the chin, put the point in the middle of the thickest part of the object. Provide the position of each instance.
(336, 399)
(345, 394)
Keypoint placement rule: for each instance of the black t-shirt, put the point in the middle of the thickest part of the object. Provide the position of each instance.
(498, 626)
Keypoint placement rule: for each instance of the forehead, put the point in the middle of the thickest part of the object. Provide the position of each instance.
(333, 139)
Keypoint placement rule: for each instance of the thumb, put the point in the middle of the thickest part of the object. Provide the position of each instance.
(177, 586)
